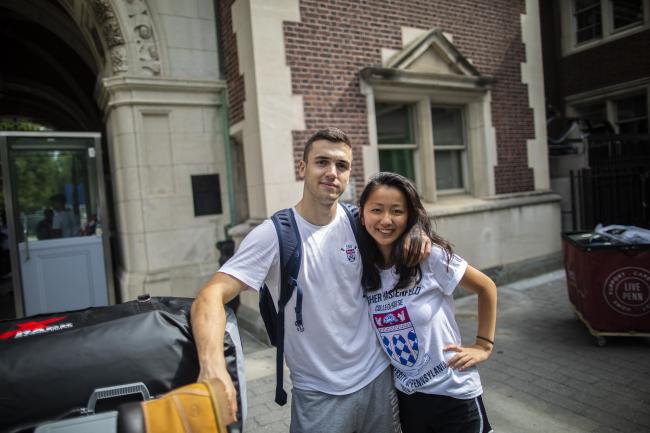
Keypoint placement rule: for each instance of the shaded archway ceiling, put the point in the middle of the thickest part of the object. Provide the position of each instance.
(42, 76)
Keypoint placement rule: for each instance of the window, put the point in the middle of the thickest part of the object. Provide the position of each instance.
(395, 138)
(398, 147)
(623, 112)
(626, 13)
(448, 147)
(432, 123)
(588, 20)
(632, 115)
(627, 114)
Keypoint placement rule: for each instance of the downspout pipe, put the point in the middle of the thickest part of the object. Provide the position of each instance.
(225, 122)
(228, 149)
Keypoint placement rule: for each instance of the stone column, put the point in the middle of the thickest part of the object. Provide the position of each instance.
(162, 131)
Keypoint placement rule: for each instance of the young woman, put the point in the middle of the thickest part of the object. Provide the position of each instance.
(412, 310)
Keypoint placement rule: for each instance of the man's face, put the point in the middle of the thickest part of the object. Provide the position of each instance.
(326, 171)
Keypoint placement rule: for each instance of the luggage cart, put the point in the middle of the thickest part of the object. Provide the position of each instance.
(608, 285)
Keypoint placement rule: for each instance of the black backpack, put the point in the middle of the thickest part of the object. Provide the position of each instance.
(290, 258)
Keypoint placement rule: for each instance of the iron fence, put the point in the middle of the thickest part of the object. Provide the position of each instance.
(610, 195)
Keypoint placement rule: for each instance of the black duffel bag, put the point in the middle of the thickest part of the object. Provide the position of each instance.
(51, 363)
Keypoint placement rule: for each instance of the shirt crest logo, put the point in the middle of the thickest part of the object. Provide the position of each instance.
(398, 336)
(350, 251)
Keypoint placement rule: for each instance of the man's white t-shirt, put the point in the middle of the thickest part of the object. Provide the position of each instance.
(337, 353)
(416, 323)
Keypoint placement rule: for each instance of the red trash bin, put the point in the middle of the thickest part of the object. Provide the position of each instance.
(608, 285)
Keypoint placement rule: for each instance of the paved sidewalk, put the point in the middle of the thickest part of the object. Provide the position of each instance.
(546, 374)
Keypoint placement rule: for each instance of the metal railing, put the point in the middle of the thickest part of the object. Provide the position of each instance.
(610, 195)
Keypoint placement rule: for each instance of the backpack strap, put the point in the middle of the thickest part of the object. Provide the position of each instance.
(353, 215)
(290, 256)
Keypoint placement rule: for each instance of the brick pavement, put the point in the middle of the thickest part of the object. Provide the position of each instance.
(546, 374)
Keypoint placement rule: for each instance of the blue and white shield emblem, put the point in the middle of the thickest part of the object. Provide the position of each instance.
(398, 336)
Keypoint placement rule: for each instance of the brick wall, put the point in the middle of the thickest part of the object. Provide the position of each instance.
(617, 61)
(337, 38)
(234, 78)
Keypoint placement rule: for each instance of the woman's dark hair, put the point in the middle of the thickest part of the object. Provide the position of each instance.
(417, 216)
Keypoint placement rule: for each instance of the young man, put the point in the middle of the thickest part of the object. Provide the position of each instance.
(341, 379)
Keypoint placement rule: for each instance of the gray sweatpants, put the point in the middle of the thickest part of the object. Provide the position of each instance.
(372, 409)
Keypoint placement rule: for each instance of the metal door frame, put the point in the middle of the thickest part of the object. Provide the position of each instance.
(10, 206)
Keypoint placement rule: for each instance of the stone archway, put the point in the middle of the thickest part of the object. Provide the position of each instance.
(50, 70)
(155, 94)
(60, 50)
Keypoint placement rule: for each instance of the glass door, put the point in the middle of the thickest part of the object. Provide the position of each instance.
(55, 213)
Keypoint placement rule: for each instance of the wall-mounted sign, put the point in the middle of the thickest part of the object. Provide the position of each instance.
(206, 193)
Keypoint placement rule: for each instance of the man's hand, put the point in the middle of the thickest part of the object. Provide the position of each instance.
(417, 246)
(467, 356)
(224, 415)
(230, 391)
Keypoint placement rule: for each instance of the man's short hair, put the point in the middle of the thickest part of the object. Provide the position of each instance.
(331, 134)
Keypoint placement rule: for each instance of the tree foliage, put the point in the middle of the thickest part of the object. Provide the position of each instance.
(40, 175)
(19, 124)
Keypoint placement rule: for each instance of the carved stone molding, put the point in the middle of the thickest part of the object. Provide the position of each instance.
(118, 59)
(145, 39)
(110, 27)
(108, 22)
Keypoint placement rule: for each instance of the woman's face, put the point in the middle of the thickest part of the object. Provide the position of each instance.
(385, 216)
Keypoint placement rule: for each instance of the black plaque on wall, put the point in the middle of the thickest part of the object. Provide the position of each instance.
(207, 194)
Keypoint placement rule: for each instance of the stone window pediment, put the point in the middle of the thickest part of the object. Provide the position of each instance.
(429, 59)
(432, 52)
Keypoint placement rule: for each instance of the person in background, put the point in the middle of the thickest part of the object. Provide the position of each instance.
(64, 223)
(44, 226)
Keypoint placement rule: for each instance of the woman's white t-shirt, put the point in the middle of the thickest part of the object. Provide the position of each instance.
(416, 323)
